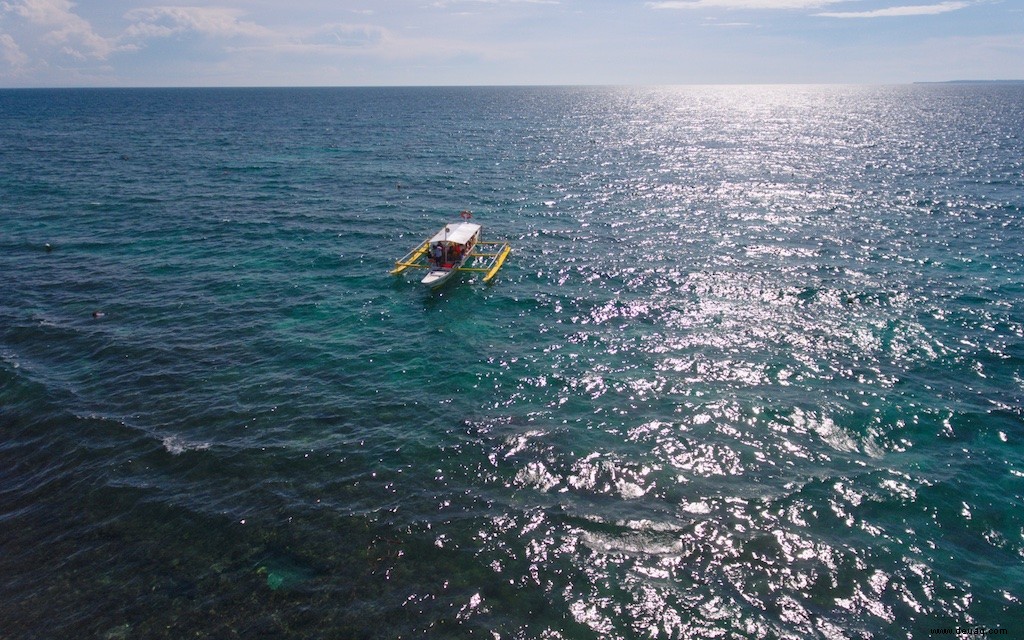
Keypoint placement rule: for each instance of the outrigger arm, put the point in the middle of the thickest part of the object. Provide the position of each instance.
(412, 259)
(497, 259)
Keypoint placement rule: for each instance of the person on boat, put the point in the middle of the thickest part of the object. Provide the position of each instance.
(437, 253)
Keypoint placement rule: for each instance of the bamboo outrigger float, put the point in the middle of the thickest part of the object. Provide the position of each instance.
(457, 247)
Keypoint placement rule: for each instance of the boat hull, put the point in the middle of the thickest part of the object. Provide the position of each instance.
(437, 277)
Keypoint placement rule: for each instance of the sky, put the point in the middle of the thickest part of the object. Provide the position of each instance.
(162, 43)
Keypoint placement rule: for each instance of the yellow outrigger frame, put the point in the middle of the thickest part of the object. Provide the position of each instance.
(411, 259)
(415, 259)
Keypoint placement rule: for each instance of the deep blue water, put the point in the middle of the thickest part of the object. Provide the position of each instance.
(753, 370)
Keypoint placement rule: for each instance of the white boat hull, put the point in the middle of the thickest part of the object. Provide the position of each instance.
(437, 277)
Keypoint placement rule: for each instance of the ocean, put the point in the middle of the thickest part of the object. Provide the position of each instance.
(754, 368)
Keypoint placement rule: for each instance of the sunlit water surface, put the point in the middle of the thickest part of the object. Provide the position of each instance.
(754, 369)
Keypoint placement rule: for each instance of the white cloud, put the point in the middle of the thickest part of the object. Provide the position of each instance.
(63, 27)
(44, 12)
(214, 21)
(338, 38)
(344, 40)
(913, 10)
(11, 53)
(741, 4)
(353, 35)
(890, 12)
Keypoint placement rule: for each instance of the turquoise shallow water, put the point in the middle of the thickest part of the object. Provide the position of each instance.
(754, 369)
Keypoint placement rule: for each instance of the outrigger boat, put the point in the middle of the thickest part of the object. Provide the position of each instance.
(457, 247)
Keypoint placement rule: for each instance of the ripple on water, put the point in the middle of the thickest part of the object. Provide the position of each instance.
(754, 368)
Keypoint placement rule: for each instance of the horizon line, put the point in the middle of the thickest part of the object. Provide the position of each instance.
(515, 85)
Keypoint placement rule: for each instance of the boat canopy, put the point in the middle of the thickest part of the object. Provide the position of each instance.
(457, 232)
